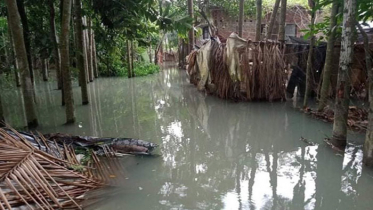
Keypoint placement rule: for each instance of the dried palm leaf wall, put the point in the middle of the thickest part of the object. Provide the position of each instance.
(263, 72)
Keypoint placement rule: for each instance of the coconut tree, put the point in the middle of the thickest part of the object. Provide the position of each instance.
(129, 59)
(56, 50)
(240, 18)
(26, 35)
(191, 31)
(80, 51)
(13, 57)
(21, 56)
(2, 118)
(272, 19)
(89, 49)
(342, 100)
(313, 5)
(281, 32)
(365, 12)
(65, 61)
(258, 28)
(368, 145)
(329, 57)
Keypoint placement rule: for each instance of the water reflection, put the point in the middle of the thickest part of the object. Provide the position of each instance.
(215, 154)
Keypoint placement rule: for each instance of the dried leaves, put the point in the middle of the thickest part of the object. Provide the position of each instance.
(265, 75)
(357, 117)
(33, 178)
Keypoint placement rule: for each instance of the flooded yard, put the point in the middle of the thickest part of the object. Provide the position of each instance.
(214, 154)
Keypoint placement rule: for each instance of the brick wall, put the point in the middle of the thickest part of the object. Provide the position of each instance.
(297, 15)
(226, 24)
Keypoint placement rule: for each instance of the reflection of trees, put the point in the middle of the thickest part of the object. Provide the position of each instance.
(212, 148)
(235, 138)
(298, 190)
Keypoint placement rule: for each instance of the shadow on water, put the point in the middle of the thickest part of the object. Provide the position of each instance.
(215, 154)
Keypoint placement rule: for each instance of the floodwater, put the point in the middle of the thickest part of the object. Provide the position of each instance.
(214, 154)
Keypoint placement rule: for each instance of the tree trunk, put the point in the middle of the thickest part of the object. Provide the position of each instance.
(368, 145)
(26, 36)
(44, 59)
(258, 31)
(80, 51)
(310, 59)
(21, 56)
(61, 74)
(180, 52)
(185, 52)
(56, 50)
(281, 31)
(85, 48)
(6, 50)
(95, 67)
(44, 69)
(150, 53)
(129, 63)
(272, 19)
(191, 32)
(240, 18)
(13, 57)
(342, 101)
(132, 59)
(65, 62)
(2, 118)
(327, 72)
(158, 47)
(89, 50)
(155, 56)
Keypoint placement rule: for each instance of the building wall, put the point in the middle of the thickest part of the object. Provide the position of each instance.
(226, 25)
(297, 16)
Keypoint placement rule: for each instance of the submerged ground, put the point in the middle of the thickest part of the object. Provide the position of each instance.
(215, 154)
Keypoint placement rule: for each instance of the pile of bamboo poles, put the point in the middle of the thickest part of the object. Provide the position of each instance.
(34, 179)
(263, 72)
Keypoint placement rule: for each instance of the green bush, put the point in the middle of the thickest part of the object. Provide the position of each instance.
(114, 67)
(113, 70)
(143, 68)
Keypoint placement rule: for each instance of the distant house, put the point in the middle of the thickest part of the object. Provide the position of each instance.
(297, 19)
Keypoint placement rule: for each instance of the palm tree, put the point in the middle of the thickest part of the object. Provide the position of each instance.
(240, 18)
(23, 65)
(81, 51)
(65, 63)
(342, 99)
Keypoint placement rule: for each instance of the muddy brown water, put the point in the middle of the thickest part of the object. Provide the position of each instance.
(214, 154)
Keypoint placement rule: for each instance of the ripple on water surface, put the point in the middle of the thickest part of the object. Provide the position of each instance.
(214, 154)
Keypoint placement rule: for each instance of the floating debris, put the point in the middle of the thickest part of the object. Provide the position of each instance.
(310, 143)
(357, 117)
(118, 145)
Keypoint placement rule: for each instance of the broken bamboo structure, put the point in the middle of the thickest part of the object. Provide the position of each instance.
(43, 172)
(36, 179)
